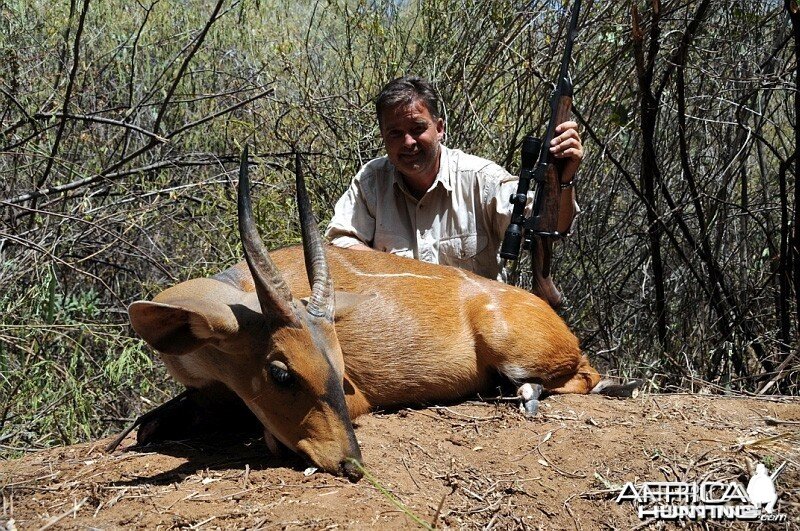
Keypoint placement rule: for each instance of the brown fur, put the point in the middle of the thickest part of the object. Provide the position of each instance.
(406, 332)
(427, 334)
(209, 331)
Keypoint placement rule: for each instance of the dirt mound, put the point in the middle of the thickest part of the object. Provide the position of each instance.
(474, 465)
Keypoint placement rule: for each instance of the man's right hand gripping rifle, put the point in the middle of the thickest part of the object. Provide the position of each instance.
(554, 206)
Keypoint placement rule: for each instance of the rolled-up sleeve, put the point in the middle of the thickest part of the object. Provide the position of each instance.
(353, 220)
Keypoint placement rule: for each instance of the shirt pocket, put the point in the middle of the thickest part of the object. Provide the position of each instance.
(463, 248)
(389, 242)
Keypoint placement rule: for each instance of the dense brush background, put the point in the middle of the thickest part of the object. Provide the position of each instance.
(122, 122)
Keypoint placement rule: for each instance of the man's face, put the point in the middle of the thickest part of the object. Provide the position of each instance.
(411, 136)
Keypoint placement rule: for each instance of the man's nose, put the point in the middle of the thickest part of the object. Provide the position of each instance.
(409, 140)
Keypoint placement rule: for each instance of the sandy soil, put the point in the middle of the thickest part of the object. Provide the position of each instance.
(473, 465)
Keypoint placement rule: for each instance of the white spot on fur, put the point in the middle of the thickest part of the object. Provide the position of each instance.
(477, 287)
(390, 275)
(515, 373)
(526, 391)
(491, 307)
(353, 269)
(189, 370)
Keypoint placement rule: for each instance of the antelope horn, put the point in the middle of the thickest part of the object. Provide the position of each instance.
(321, 303)
(273, 292)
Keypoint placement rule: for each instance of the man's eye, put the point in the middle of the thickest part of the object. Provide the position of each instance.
(279, 372)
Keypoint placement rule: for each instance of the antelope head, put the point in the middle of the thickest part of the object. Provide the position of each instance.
(280, 355)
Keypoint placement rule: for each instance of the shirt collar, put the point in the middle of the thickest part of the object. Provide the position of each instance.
(445, 175)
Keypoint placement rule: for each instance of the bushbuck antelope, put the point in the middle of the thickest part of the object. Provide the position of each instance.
(406, 332)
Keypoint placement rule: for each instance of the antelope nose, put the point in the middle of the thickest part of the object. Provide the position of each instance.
(351, 469)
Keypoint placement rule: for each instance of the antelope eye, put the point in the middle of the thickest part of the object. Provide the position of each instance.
(280, 372)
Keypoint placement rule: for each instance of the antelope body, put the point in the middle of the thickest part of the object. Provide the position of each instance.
(396, 331)
(415, 332)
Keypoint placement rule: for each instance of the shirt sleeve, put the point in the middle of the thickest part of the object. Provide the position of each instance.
(498, 188)
(353, 220)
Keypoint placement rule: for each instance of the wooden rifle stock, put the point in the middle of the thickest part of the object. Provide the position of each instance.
(555, 206)
(555, 209)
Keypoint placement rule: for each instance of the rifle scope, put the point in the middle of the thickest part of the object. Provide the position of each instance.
(512, 240)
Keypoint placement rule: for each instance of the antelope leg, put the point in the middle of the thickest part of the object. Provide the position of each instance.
(529, 398)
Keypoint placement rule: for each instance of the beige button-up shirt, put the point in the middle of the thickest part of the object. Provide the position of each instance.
(460, 221)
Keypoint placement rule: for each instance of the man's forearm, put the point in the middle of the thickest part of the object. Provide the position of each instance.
(347, 241)
(361, 247)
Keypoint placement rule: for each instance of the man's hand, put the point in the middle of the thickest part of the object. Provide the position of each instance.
(567, 145)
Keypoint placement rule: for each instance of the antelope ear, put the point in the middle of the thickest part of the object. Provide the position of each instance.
(346, 302)
(183, 326)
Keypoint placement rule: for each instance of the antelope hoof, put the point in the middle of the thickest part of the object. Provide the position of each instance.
(625, 390)
(529, 398)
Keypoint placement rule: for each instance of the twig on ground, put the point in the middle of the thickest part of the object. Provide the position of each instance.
(56, 519)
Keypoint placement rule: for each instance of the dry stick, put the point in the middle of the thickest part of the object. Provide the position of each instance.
(67, 96)
(226, 110)
(21, 109)
(403, 460)
(55, 189)
(782, 372)
(111, 176)
(772, 421)
(108, 172)
(30, 245)
(32, 480)
(101, 120)
(467, 417)
(569, 510)
(56, 519)
(204, 522)
(8, 148)
(98, 226)
(439, 508)
(155, 138)
(182, 70)
(134, 48)
(554, 467)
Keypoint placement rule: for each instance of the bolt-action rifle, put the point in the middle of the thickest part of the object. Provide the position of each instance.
(554, 205)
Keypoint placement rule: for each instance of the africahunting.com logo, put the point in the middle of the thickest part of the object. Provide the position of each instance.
(707, 500)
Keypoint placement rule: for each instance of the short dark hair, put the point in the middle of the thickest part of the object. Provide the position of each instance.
(404, 91)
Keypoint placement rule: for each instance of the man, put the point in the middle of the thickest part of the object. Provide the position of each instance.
(426, 201)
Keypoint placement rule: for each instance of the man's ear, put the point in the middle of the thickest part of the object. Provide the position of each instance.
(346, 301)
(182, 327)
(440, 129)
